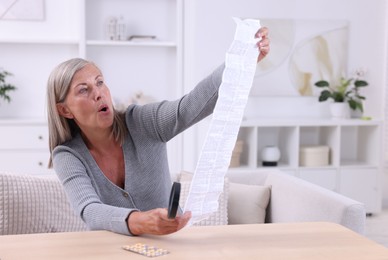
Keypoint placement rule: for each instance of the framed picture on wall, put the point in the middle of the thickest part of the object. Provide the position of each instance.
(22, 10)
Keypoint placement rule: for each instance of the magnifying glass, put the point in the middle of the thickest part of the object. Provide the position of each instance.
(173, 204)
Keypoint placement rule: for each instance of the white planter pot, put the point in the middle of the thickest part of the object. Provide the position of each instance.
(340, 110)
(355, 113)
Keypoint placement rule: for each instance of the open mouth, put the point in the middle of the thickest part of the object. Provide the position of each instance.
(103, 108)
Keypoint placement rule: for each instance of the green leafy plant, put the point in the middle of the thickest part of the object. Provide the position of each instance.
(355, 98)
(348, 91)
(4, 86)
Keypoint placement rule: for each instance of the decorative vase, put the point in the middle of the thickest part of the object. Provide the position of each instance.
(339, 110)
(270, 155)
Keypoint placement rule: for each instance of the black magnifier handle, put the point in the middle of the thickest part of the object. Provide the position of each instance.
(173, 204)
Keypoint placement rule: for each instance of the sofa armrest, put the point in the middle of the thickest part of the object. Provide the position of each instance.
(295, 200)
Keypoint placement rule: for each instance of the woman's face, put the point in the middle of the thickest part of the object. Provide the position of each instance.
(88, 102)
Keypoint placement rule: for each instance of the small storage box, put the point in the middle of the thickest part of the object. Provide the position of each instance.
(314, 156)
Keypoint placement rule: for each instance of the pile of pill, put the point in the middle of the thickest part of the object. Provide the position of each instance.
(146, 250)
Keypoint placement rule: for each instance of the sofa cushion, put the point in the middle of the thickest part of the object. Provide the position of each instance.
(31, 204)
(219, 217)
(247, 204)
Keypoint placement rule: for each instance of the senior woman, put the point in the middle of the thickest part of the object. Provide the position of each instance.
(113, 166)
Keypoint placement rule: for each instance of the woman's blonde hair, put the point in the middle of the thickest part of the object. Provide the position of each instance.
(62, 129)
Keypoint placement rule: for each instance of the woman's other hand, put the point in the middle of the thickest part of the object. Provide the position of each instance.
(263, 44)
(156, 222)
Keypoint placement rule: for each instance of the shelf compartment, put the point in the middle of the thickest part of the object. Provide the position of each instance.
(321, 135)
(360, 146)
(282, 137)
(146, 17)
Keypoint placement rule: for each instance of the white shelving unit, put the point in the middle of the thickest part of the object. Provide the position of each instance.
(355, 158)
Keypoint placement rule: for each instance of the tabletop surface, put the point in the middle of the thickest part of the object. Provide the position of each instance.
(316, 240)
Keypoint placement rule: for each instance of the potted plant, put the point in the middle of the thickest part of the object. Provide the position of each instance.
(4, 86)
(347, 91)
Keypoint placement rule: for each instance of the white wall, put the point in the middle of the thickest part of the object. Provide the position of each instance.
(209, 31)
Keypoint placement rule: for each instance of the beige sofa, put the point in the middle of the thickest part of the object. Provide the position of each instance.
(295, 200)
(32, 204)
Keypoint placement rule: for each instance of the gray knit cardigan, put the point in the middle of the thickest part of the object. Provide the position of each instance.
(102, 204)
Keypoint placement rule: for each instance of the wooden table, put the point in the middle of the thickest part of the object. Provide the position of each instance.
(318, 240)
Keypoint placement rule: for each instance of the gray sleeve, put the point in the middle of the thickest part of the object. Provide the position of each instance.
(83, 197)
(166, 119)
